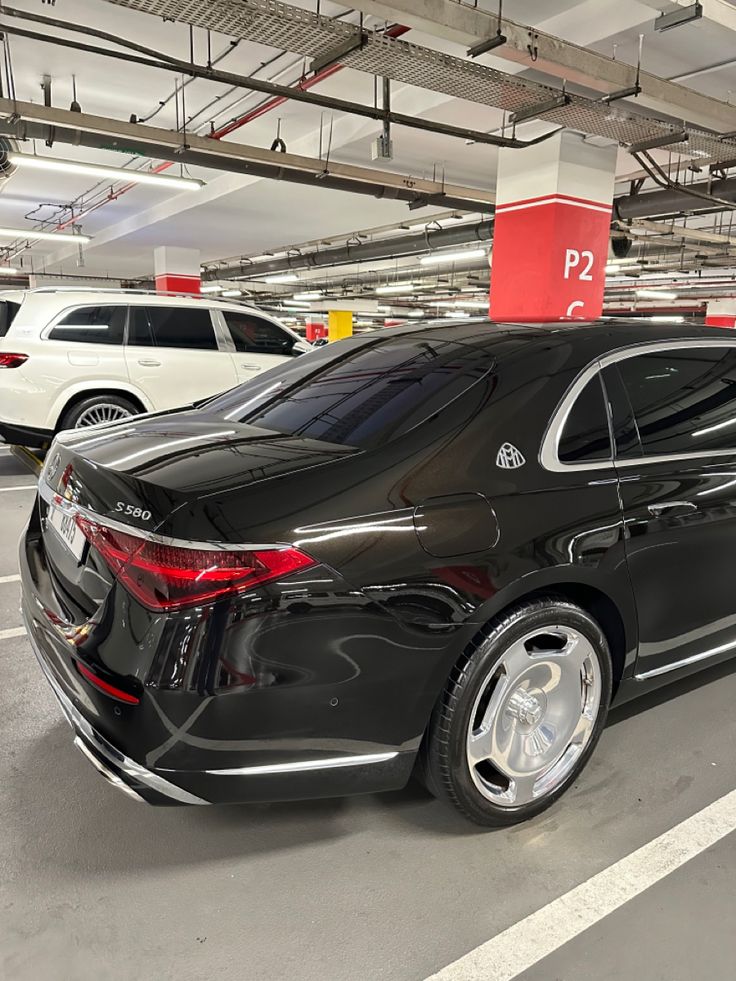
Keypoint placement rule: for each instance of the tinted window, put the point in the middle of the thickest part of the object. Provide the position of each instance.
(183, 327)
(684, 401)
(91, 325)
(8, 310)
(359, 398)
(585, 436)
(255, 336)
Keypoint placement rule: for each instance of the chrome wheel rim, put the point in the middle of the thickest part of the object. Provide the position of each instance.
(101, 413)
(534, 715)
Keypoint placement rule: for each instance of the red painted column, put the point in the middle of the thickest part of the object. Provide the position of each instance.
(176, 270)
(316, 329)
(721, 313)
(551, 231)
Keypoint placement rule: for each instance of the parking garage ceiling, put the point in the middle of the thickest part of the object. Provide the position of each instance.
(165, 85)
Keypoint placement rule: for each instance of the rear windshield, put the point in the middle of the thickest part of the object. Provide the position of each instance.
(8, 310)
(365, 396)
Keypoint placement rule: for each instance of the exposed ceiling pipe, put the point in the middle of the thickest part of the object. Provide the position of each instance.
(671, 201)
(390, 248)
(395, 31)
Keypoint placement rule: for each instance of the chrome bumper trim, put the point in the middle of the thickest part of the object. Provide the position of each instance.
(304, 765)
(86, 734)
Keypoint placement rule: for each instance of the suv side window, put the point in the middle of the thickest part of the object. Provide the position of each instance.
(585, 435)
(182, 327)
(684, 401)
(253, 335)
(91, 325)
(8, 310)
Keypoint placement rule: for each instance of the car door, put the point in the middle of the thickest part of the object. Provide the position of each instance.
(174, 356)
(82, 349)
(674, 415)
(259, 343)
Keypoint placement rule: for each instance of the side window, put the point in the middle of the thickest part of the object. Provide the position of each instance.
(182, 327)
(255, 336)
(684, 401)
(91, 325)
(585, 436)
(8, 310)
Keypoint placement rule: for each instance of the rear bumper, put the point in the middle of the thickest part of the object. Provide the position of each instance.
(24, 435)
(125, 774)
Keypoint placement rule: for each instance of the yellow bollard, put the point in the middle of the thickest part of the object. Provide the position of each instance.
(340, 324)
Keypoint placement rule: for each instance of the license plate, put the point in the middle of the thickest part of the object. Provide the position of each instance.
(68, 531)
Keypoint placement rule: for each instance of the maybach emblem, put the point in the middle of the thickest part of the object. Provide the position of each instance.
(509, 458)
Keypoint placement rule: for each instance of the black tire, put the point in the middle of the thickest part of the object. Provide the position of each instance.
(80, 410)
(443, 764)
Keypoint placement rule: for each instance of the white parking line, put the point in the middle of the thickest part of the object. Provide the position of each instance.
(13, 632)
(4, 579)
(22, 487)
(536, 936)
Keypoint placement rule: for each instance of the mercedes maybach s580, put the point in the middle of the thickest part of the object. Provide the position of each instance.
(440, 549)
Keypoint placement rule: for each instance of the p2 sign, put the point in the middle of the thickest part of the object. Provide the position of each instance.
(549, 260)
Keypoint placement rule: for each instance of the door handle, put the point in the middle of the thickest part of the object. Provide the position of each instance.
(251, 367)
(149, 363)
(657, 509)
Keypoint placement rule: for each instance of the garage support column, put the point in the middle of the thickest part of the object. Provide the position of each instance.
(721, 313)
(551, 231)
(176, 270)
(340, 324)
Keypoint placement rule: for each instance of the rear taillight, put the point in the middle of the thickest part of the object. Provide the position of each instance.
(166, 577)
(8, 360)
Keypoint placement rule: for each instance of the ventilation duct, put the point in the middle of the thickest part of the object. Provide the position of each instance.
(7, 169)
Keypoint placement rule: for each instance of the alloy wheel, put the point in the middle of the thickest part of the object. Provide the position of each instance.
(102, 412)
(533, 716)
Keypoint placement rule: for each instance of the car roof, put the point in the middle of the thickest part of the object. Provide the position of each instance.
(597, 336)
(65, 296)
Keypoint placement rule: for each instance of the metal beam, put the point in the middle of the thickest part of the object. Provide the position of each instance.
(468, 26)
(689, 234)
(26, 120)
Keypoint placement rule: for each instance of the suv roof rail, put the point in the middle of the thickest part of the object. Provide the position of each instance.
(251, 301)
(116, 289)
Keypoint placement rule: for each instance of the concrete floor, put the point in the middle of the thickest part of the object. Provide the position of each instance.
(95, 886)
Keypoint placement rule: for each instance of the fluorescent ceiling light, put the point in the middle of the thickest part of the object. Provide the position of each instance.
(8, 271)
(396, 288)
(310, 295)
(473, 304)
(656, 295)
(282, 278)
(101, 170)
(211, 289)
(417, 313)
(232, 293)
(32, 235)
(293, 305)
(463, 314)
(624, 262)
(612, 270)
(667, 320)
(439, 257)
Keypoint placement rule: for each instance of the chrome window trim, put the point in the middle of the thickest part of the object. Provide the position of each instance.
(549, 451)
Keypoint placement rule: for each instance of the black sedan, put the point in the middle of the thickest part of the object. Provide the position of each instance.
(442, 549)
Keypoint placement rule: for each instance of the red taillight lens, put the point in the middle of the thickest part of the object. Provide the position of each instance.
(8, 360)
(106, 687)
(166, 577)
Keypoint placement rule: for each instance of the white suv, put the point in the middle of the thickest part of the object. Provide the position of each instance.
(72, 358)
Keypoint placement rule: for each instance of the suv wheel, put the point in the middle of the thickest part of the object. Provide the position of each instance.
(520, 715)
(96, 410)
